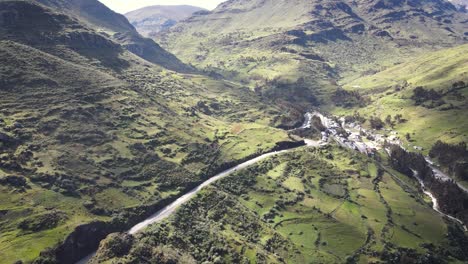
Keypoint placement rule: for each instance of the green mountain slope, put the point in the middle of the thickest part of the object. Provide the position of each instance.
(420, 102)
(90, 132)
(97, 131)
(116, 26)
(393, 92)
(287, 48)
(299, 207)
(152, 19)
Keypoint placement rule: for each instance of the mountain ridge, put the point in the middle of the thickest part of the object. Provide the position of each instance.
(311, 38)
(153, 19)
(106, 21)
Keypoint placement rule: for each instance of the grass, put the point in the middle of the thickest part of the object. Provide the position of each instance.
(305, 220)
(16, 244)
(438, 71)
(102, 126)
(94, 123)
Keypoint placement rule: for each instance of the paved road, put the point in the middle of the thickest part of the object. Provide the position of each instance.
(170, 209)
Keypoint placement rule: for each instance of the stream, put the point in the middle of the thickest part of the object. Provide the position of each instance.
(435, 203)
(332, 131)
(353, 142)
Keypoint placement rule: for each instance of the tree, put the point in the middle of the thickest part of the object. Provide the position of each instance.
(408, 136)
(376, 123)
(421, 95)
(388, 120)
(399, 118)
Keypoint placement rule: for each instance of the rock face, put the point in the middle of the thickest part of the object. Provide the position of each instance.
(98, 16)
(152, 19)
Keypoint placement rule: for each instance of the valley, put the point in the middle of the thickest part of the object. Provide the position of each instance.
(328, 136)
(263, 131)
(266, 213)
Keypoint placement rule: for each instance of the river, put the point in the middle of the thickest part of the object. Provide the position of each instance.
(332, 131)
(332, 127)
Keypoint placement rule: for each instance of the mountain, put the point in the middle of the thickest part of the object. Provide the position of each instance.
(424, 99)
(96, 15)
(152, 19)
(301, 53)
(461, 3)
(100, 128)
(93, 138)
(292, 44)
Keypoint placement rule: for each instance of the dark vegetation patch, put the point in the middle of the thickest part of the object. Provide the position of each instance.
(348, 99)
(14, 181)
(43, 221)
(451, 198)
(453, 157)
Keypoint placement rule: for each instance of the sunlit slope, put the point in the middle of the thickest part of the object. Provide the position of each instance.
(392, 92)
(284, 48)
(89, 131)
(299, 207)
(435, 70)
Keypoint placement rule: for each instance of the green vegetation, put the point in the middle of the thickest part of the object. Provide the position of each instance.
(297, 50)
(300, 207)
(424, 98)
(89, 131)
(453, 158)
(97, 130)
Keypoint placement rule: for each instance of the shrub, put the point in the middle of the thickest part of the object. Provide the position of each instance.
(421, 95)
(376, 123)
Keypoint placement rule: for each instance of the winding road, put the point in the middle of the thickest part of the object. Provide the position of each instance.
(331, 126)
(172, 208)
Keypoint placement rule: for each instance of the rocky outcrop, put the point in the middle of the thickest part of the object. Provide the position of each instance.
(83, 240)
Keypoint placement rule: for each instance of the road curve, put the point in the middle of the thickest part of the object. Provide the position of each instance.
(171, 208)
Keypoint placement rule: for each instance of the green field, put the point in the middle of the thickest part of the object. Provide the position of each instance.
(283, 210)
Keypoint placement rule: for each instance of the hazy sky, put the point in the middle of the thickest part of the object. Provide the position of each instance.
(124, 6)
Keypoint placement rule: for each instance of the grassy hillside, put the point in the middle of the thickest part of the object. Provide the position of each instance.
(89, 131)
(116, 27)
(392, 92)
(307, 206)
(297, 50)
